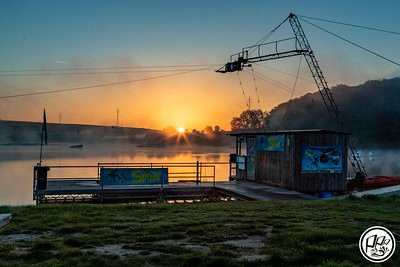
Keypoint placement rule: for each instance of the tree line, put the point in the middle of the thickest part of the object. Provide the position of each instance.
(370, 111)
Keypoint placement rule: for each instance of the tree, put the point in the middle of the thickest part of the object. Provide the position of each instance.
(209, 130)
(248, 119)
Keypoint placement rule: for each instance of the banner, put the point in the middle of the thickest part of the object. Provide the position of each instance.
(240, 162)
(251, 159)
(133, 176)
(321, 159)
(272, 142)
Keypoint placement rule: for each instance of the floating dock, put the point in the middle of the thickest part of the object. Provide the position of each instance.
(80, 190)
(174, 182)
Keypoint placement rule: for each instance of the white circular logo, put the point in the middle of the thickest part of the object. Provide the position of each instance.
(377, 244)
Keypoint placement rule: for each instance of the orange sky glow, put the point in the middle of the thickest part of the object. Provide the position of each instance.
(192, 101)
(65, 35)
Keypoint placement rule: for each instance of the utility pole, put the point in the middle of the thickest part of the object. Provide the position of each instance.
(59, 118)
(117, 117)
(249, 104)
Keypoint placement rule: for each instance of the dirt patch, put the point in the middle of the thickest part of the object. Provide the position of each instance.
(11, 238)
(198, 248)
(186, 244)
(173, 241)
(20, 251)
(249, 248)
(118, 250)
(255, 242)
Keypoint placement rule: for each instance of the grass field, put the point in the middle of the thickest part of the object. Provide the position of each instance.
(198, 234)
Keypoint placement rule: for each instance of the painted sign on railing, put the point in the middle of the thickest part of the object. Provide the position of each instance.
(133, 176)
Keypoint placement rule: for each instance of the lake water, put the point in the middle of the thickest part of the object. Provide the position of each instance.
(16, 163)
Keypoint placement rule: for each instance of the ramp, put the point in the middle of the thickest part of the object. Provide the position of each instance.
(262, 192)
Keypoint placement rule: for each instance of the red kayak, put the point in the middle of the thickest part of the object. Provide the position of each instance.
(381, 181)
(374, 182)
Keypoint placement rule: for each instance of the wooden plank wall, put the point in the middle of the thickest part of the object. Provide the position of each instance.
(283, 168)
(311, 182)
(277, 167)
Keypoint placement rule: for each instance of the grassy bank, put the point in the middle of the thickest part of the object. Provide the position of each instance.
(225, 234)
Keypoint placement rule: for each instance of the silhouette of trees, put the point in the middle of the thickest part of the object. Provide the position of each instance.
(248, 119)
(370, 112)
(209, 130)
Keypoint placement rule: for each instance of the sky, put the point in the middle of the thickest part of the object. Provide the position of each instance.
(37, 35)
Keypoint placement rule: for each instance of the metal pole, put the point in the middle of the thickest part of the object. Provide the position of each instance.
(34, 182)
(214, 176)
(41, 148)
(200, 175)
(197, 172)
(98, 172)
(230, 171)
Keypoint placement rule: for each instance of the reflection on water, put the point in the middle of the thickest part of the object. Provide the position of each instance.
(16, 163)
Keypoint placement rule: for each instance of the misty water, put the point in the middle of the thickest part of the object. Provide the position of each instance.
(17, 162)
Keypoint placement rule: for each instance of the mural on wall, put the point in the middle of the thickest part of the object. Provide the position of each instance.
(251, 159)
(133, 176)
(240, 162)
(321, 159)
(273, 142)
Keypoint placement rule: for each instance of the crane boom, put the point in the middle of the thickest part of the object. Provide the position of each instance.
(302, 47)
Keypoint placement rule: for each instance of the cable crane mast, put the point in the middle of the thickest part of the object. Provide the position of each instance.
(301, 48)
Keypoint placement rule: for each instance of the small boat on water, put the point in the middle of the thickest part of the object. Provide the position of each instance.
(76, 146)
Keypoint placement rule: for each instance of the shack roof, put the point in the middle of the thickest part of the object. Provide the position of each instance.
(262, 132)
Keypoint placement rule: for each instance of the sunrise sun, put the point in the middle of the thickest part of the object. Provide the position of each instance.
(180, 129)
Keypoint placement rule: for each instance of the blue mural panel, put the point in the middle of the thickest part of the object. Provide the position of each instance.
(272, 142)
(240, 162)
(133, 176)
(251, 158)
(321, 159)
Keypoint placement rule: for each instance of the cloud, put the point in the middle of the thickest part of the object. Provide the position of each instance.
(61, 62)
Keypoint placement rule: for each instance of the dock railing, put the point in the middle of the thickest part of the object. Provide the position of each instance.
(198, 172)
(195, 172)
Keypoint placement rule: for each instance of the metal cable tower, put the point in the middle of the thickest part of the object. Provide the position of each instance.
(323, 88)
(301, 47)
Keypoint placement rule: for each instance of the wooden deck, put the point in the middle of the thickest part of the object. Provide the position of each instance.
(78, 190)
(263, 192)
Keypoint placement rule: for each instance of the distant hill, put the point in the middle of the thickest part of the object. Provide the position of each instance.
(28, 133)
(18, 132)
(371, 111)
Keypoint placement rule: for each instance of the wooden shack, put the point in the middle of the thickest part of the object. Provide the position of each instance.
(300, 160)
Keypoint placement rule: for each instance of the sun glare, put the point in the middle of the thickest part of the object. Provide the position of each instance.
(181, 130)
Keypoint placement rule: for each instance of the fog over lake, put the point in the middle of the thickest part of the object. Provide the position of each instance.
(17, 162)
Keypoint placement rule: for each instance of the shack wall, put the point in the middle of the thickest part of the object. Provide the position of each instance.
(311, 182)
(277, 167)
(283, 168)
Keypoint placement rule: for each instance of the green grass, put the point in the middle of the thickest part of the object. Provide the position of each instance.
(323, 233)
